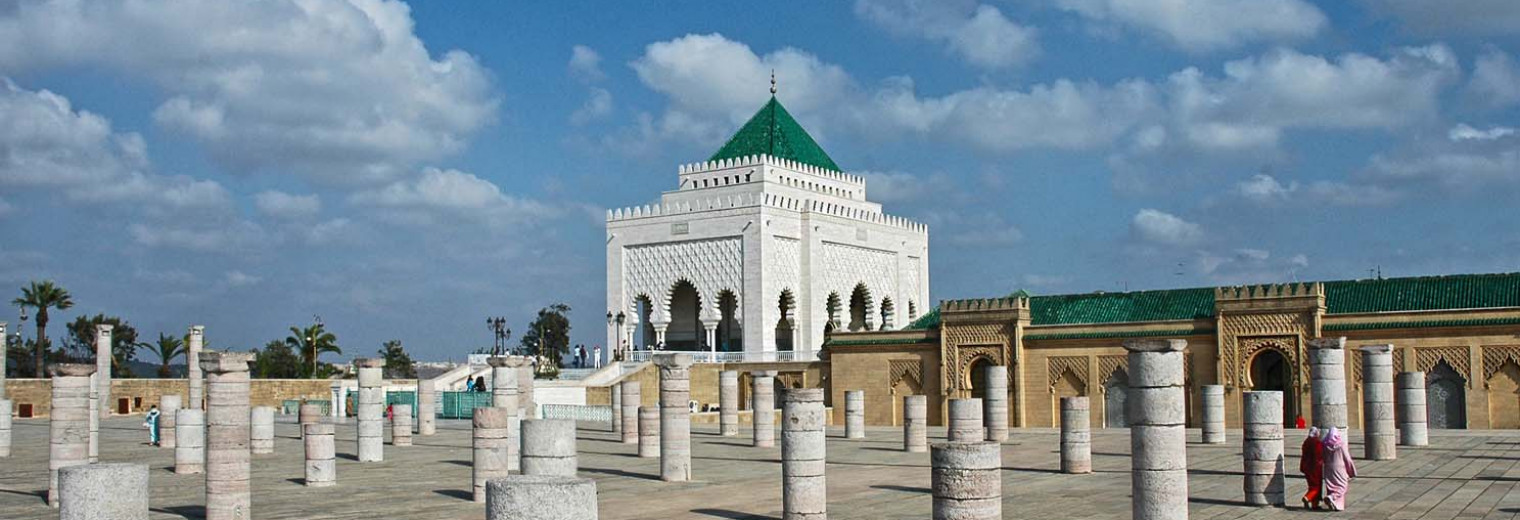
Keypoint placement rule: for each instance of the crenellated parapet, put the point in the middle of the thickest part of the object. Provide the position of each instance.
(1266, 291)
(764, 199)
(1013, 308)
(766, 160)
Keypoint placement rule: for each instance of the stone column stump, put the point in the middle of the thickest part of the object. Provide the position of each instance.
(1413, 430)
(966, 420)
(965, 480)
(541, 497)
(728, 402)
(5, 427)
(548, 447)
(490, 445)
(631, 399)
(228, 442)
(308, 414)
(93, 448)
(427, 407)
(1158, 435)
(854, 414)
(103, 492)
(168, 406)
(527, 403)
(193, 372)
(763, 408)
(617, 409)
(401, 425)
(505, 371)
(1213, 414)
(1261, 417)
(1076, 435)
(1379, 433)
(261, 434)
(321, 454)
(995, 406)
(69, 421)
(371, 411)
(915, 423)
(804, 493)
(103, 358)
(675, 416)
(1327, 382)
(190, 450)
(649, 431)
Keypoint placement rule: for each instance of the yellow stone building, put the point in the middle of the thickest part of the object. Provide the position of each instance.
(1463, 331)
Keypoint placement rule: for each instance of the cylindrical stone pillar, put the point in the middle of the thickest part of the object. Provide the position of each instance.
(540, 497)
(93, 447)
(5, 426)
(1213, 414)
(854, 414)
(995, 406)
(1327, 382)
(261, 434)
(69, 422)
(1076, 435)
(1158, 432)
(308, 414)
(915, 423)
(490, 444)
(965, 480)
(103, 491)
(1412, 431)
(527, 405)
(763, 408)
(966, 420)
(401, 425)
(1379, 433)
(192, 353)
(630, 402)
(103, 368)
(649, 431)
(427, 407)
(321, 463)
(168, 406)
(504, 394)
(190, 450)
(548, 447)
(616, 392)
(1262, 448)
(675, 416)
(371, 410)
(228, 493)
(728, 402)
(4, 341)
(804, 494)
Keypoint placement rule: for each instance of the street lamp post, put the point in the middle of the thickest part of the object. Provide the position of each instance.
(498, 326)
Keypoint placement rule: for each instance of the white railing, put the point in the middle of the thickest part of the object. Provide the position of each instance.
(640, 356)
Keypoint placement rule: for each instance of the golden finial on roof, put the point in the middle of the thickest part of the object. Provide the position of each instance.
(773, 82)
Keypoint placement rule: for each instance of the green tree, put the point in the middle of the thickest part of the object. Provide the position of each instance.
(42, 296)
(548, 337)
(311, 342)
(398, 365)
(123, 342)
(277, 361)
(167, 348)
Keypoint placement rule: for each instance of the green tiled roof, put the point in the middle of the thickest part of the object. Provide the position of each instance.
(1463, 291)
(773, 132)
(1121, 334)
(925, 322)
(1476, 322)
(1071, 309)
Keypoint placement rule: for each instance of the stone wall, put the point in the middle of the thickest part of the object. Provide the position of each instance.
(140, 394)
(704, 381)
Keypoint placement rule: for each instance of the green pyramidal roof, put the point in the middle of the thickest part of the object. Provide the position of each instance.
(773, 132)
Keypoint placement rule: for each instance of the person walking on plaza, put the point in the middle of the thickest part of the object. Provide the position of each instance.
(596, 356)
(151, 423)
(1338, 469)
(1310, 463)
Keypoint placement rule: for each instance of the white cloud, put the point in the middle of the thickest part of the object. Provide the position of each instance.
(438, 193)
(1253, 254)
(1207, 25)
(341, 91)
(598, 105)
(1039, 280)
(281, 205)
(233, 237)
(237, 278)
(1464, 132)
(586, 64)
(1263, 188)
(1347, 194)
(978, 33)
(987, 230)
(1495, 80)
(1454, 17)
(889, 187)
(1462, 168)
(1163, 228)
(6, 206)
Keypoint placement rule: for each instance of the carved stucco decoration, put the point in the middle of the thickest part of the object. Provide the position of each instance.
(784, 274)
(1425, 359)
(910, 369)
(1058, 365)
(791, 380)
(845, 266)
(1285, 345)
(977, 334)
(1356, 362)
(964, 357)
(1239, 329)
(712, 266)
(1108, 365)
(1495, 356)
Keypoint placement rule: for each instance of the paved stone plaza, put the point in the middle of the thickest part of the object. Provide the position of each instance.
(1461, 475)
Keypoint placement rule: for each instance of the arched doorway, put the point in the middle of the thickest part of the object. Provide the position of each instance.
(832, 306)
(1067, 385)
(730, 333)
(887, 311)
(644, 309)
(860, 308)
(685, 330)
(1115, 393)
(1445, 398)
(976, 378)
(784, 331)
(1270, 372)
(1504, 397)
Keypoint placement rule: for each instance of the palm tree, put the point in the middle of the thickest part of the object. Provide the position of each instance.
(168, 347)
(312, 342)
(42, 296)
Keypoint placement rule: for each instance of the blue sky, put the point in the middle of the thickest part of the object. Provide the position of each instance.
(406, 170)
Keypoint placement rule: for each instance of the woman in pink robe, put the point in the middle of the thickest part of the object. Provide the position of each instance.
(1338, 469)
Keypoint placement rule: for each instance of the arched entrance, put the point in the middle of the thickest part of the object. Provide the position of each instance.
(1270, 372)
(1115, 394)
(831, 306)
(784, 325)
(644, 309)
(1067, 385)
(860, 308)
(730, 333)
(1504, 397)
(976, 378)
(685, 330)
(1445, 398)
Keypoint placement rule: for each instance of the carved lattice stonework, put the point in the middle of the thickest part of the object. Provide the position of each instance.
(1495, 356)
(1187, 369)
(1425, 359)
(712, 266)
(845, 266)
(791, 380)
(1108, 365)
(1058, 365)
(1356, 362)
(977, 334)
(911, 369)
(965, 356)
(786, 255)
(1236, 331)
(1284, 345)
